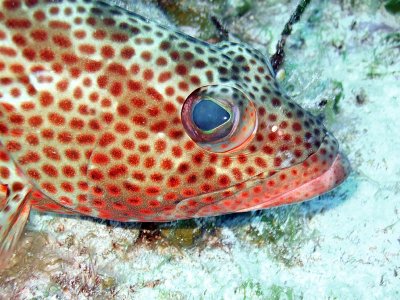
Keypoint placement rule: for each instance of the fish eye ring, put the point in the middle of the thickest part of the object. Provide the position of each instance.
(219, 118)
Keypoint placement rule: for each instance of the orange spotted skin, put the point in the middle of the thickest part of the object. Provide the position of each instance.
(91, 115)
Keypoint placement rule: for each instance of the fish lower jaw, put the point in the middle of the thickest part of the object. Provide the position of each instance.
(327, 181)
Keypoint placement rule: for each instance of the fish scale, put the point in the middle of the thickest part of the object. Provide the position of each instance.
(95, 113)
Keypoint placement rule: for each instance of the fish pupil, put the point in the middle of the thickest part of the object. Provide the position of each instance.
(208, 115)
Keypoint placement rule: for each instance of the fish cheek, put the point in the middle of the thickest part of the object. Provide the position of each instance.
(287, 135)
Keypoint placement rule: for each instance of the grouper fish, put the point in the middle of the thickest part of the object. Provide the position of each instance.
(105, 113)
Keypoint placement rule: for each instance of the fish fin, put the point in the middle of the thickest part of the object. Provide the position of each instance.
(14, 212)
(14, 205)
(221, 31)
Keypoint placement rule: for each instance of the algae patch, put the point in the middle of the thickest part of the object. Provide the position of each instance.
(277, 292)
(329, 105)
(251, 289)
(183, 234)
(282, 232)
(188, 14)
(393, 6)
(196, 15)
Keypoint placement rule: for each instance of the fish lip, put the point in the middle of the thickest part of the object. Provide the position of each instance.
(345, 163)
(338, 171)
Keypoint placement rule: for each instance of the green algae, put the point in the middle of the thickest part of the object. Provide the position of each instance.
(393, 39)
(250, 290)
(282, 232)
(384, 57)
(183, 234)
(178, 234)
(238, 8)
(393, 6)
(171, 237)
(331, 104)
(371, 5)
(168, 295)
(197, 14)
(277, 292)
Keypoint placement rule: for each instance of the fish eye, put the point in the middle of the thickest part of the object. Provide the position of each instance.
(219, 118)
(209, 116)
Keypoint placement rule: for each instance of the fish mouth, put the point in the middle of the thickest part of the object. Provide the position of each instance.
(325, 182)
(331, 178)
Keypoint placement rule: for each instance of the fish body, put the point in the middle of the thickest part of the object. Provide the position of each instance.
(107, 114)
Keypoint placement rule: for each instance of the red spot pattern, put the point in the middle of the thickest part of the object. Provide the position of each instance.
(103, 134)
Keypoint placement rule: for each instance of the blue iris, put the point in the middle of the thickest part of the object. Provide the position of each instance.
(208, 115)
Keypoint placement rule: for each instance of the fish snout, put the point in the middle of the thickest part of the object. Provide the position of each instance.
(340, 169)
(334, 166)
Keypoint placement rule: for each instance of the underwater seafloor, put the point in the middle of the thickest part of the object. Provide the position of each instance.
(343, 61)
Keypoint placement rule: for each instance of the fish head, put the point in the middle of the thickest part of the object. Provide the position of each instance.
(219, 137)
(270, 150)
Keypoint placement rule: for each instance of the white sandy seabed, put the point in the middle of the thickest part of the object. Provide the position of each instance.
(343, 245)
